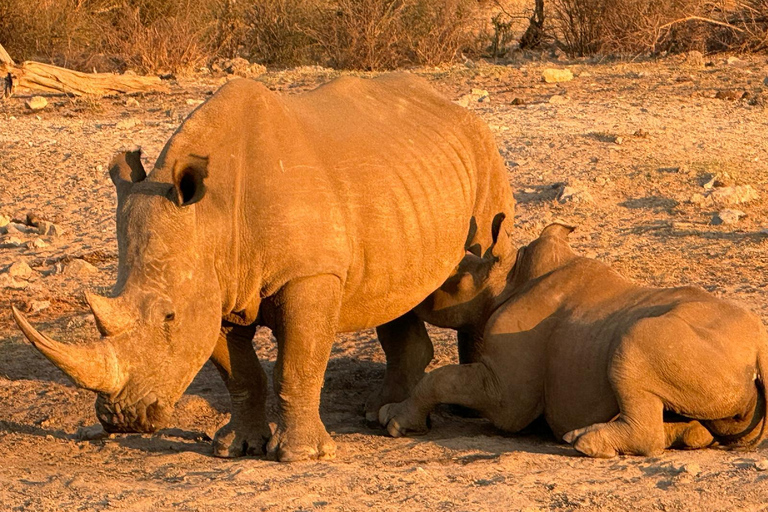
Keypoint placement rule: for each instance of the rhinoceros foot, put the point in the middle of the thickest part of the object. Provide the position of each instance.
(233, 440)
(402, 420)
(309, 442)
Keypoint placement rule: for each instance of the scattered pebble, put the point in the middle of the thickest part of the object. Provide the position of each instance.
(126, 124)
(619, 140)
(691, 468)
(37, 243)
(730, 94)
(132, 102)
(79, 267)
(36, 103)
(738, 194)
(552, 75)
(571, 194)
(20, 270)
(4, 221)
(761, 465)
(733, 60)
(91, 433)
(193, 103)
(728, 217)
(475, 96)
(36, 306)
(558, 99)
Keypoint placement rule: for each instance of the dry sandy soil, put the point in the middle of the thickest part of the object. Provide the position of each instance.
(642, 139)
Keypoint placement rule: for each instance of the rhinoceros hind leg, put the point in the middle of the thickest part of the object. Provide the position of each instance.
(638, 430)
(305, 323)
(687, 436)
(469, 385)
(247, 432)
(409, 350)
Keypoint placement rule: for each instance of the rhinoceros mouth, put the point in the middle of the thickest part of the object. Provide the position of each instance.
(146, 415)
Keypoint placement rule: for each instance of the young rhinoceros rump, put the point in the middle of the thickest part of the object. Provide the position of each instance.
(335, 210)
(601, 358)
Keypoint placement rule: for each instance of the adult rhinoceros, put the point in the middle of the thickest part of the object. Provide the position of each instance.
(335, 210)
(602, 359)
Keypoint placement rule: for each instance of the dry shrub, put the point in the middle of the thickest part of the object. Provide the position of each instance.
(279, 32)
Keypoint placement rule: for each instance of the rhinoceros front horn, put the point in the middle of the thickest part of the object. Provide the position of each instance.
(93, 366)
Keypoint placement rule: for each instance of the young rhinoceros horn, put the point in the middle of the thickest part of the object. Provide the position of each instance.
(92, 366)
(109, 314)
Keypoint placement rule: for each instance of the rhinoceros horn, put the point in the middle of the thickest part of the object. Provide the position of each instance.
(110, 317)
(92, 366)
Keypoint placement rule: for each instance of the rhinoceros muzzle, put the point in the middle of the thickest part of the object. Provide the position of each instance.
(148, 414)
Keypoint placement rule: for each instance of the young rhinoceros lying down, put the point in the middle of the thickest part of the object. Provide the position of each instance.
(601, 358)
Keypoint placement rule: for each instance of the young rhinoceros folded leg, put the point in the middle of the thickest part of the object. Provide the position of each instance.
(469, 385)
(247, 432)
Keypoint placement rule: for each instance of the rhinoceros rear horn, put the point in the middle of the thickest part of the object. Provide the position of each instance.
(93, 366)
(111, 318)
(126, 168)
(188, 175)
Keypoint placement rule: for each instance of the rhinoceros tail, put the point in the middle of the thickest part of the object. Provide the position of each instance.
(762, 370)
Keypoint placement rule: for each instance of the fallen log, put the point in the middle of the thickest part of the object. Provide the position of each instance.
(50, 78)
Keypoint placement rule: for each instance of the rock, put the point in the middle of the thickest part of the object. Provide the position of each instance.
(730, 94)
(15, 228)
(126, 124)
(92, 433)
(517, 101)
(585, 74)
(558, 99)
(640, 134)
(691, 468)
(36, 103)
(694, 59)
(573, 194)
(552, 75)
(192, 102)
(238, 66)
(4, 221)
(698, 199)
(619, 140)
(475, 96)
(49, 229)
(761, 465)
(6, 281)
(733, 60)
(738, 194)
(79, 267)
(36, 306)
(132, 102)
(10, 241)
(719, 180)
(728, 217)
(20, 270)
(37, 243)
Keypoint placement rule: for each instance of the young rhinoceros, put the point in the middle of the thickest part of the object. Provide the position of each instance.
(601, 358)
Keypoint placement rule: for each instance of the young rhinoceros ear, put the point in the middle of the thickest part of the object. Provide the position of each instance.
(559, 229)
(126, 169)
(188, 176)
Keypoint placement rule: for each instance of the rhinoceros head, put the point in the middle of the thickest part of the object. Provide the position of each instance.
(160, 325)
(464, 299)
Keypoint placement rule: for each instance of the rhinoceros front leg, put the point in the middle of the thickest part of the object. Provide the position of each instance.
(247, 431)
(306, 313)
(409, 350)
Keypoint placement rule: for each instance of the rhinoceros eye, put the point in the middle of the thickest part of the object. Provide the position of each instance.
(170, 317)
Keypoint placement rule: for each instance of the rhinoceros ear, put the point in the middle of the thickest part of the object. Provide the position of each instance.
(501, 244)
(125, 168)
(188, 180)
(559, 229)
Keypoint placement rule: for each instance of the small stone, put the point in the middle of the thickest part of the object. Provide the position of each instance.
(585, 74)
(694, 59)
(619, 140)
(517, 101)
(49, 228)
(698, 198)
(761, 465)
(193, 103)
(640, 134)
(37, 243)
(552, 75)
(79, 267)
(10, 241)
(132, 102)
(125, 124)
(36, 306)
(6, 281)
(15, 228)
(20, 270)
(733, 60)
(691, 468)
(738, 194)
(558, 99)
(91, 433)
(730, 94)
(475, 96)
(4, 221)
(36, 103)
(728, 217)
(573, 194)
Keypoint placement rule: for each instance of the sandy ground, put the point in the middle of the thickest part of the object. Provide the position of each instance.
(640, 139)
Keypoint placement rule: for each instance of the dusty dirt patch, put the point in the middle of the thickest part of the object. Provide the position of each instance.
(638, 142)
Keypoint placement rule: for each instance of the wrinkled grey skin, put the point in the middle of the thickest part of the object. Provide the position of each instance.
(612, 366)
(335, 210)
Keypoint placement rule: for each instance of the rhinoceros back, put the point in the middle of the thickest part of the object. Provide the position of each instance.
(381, 182)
